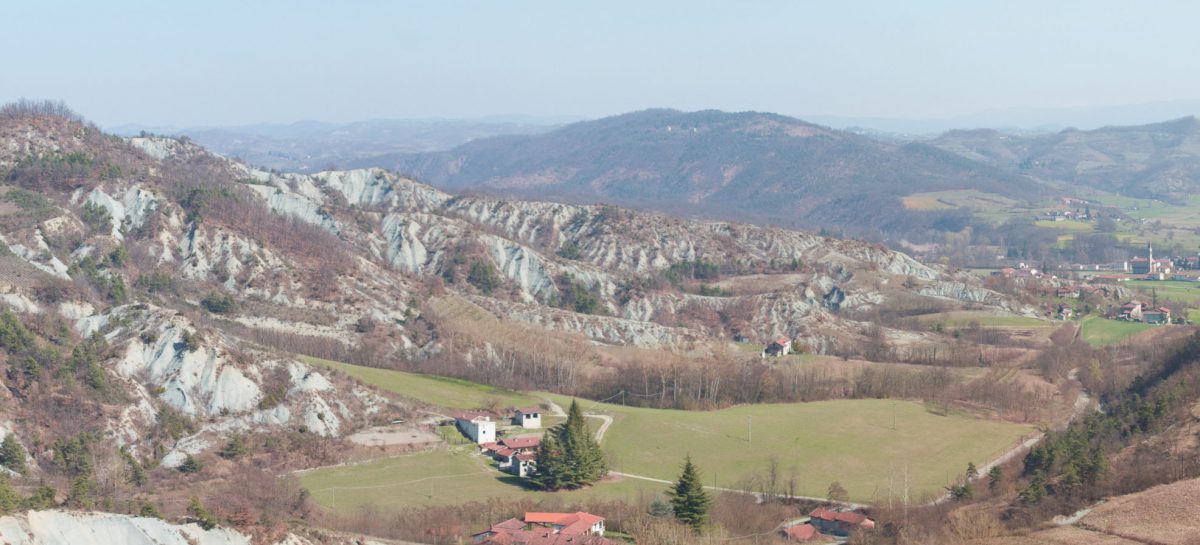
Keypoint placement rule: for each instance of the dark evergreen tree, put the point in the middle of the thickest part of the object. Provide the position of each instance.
(9, 501)
(200, 515)
(583, 455)
(137, 474)
(995, 477)
(688, 498)
(550, 471)
(12, 454)
(1036, 489)
(191, 464)
(568, 456)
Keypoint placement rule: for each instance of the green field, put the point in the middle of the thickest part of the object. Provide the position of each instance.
(1099, 331)
(964, 318)
(441, 477)
(1168, 290)
(1065, 225)
(850, 441)
(441, 391)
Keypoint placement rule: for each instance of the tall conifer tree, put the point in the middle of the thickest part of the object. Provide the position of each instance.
(568, 456)
(688, 497)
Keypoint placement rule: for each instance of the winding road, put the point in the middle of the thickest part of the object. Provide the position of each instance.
(557, 410)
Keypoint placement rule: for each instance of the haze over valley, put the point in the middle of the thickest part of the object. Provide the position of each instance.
(595, 274)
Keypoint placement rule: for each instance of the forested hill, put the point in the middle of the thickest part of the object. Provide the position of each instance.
(1159, 160)
(746, 166)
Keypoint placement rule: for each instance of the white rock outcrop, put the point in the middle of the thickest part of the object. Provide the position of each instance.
(91, 528)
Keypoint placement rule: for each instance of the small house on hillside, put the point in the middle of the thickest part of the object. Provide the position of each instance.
(523, 464)
(839, 523)
(546, 529)
(1066, 292)
(528, 418)
(477, 426)
(778, 347)
(1131, 311)
(527, 443)
(804, 533)
(1161, 315)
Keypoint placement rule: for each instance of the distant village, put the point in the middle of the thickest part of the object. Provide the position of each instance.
(1106, 285)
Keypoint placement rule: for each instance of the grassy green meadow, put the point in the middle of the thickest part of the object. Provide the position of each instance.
(1099, 331)
(850, 441)
(963, 318)
(1168, 290)
(441, 391)
(441, 477)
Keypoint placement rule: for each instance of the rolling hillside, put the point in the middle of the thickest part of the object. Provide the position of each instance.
(746, 166)
(1159, 160)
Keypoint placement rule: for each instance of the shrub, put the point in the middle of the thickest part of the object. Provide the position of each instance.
(483, 276)
(190, 465)
(42, 498)
(236, 448)
(570, 250)
(201, 515)
(156, 282)
(218, 303)
(96, 217)
(150, 510)
(191, 340)
(12, 454)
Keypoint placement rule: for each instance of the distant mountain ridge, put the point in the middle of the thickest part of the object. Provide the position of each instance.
(309, 146)
(1157, 160)
(746, 166)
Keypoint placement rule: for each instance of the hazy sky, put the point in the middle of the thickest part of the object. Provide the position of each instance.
(221, 63)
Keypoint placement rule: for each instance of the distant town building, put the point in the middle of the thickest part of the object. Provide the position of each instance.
(1150, 266)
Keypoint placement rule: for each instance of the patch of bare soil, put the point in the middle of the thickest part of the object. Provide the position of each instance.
(1067, 535)
(1167, 514)
(395, 436)
(15, 272)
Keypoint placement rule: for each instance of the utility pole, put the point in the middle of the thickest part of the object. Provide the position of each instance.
(749, 429)
(906, 493)
(893, 415)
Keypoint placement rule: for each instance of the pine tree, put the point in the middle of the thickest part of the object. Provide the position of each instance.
(688, 497)
(1036, 489)
(201, 515)
(9, 501)
(995, 476)
(137, 474)
(12, 454)
(972, 472)
(236, 448)
(583, 454)
(568, 456)
(549, 472)
(191, 464)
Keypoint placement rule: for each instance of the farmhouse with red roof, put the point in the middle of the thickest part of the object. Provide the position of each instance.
(546, 529)
(839, 523)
